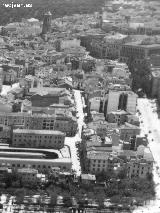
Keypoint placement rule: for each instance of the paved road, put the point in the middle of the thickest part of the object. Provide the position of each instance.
(71, 141)
(151, 123)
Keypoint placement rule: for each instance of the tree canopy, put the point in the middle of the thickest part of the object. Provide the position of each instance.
(58, 8)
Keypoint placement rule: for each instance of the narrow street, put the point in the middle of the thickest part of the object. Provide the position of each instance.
(71, 141)
(150, 122)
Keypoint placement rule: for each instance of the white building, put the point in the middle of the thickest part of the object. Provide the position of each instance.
(113, 101)
(68, 43)
(131, 103)
(95, 104)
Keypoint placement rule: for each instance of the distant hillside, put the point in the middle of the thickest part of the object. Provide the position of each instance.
(57, 7)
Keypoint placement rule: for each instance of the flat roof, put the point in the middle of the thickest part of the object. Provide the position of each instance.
(32, 149)
(22, 153)
(40, 132)
(138, 44)
(59, 160)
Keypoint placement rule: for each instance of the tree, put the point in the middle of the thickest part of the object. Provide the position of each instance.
(141, 74)
(122, 174)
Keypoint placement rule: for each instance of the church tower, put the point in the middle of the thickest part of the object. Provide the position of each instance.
(47, 23)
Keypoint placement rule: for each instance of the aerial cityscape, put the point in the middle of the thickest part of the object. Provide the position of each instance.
(80, 108)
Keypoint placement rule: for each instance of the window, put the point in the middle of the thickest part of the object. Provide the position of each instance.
(13, 165)
(44, 166)
(18, 165)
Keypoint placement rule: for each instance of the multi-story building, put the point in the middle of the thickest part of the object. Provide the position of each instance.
(109, 47)
(5, 131)
(122, 100)
(67, 43)
(102, 127)
(128, 130)
(155, 79)
(41, 159)
(142, 165)
(103, 162)
(45, 97)
(28, 175)
(118, 117)
(38, 138)
(94, 104)
(139, 50)
(53, 57)
(42, 165)
(59, 122)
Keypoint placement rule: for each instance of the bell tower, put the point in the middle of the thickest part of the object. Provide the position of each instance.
(47, 23)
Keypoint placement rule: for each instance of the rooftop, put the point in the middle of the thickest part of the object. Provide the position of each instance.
(40, 132)
(59, 160)
(28, 171)
(146, 46)
(88, 177)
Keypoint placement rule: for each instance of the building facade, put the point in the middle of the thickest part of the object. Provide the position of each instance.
(59, 122)
(138, 51)
(38, 138)
(122, 100)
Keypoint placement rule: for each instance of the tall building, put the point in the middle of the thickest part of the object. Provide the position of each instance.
(122, 100)
(47, 23)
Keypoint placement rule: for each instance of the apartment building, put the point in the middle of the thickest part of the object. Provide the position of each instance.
(139, 168)
(38, 138)
(118, 117)
(139, 50)
(5, 131)
(142, 165)
(121, 100)
(103, 162)
(28, 175)
(60, 122)
(155, 79)
(42, 165)
(128, 130)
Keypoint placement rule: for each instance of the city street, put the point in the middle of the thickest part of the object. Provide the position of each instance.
(150, 122)
(71, 141)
